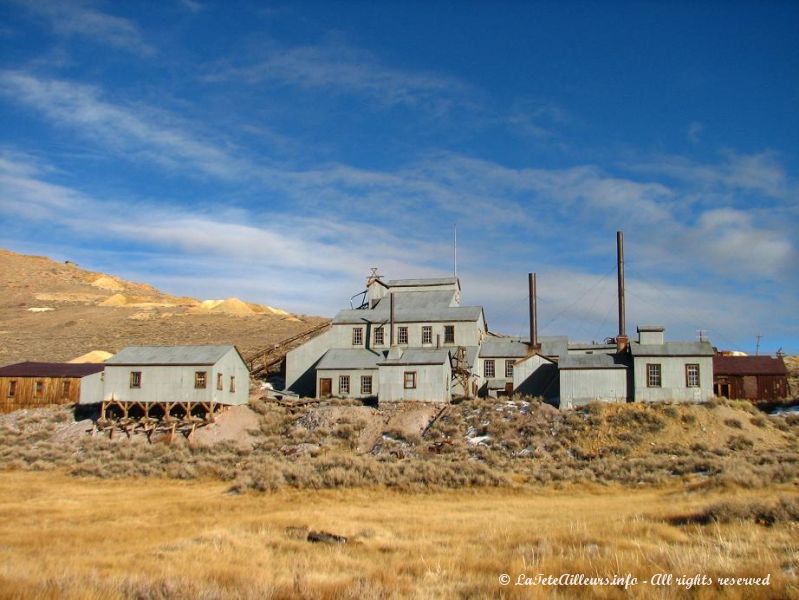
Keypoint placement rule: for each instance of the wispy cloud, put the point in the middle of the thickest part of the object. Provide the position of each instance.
(339, 68)
(130, 131)
(81, 19)
(694, 132)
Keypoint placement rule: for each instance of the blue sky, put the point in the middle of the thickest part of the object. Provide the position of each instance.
(275, 152)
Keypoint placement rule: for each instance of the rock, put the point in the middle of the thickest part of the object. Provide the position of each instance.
(326, 538)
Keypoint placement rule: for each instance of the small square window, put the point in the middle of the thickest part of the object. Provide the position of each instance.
(402, 335)
(135, 379)
(343, 384)
(488, 368)
(220, 381)
(366, 384)
(692, 375)
(357, 336)
(409, 380)
(449, 334)
(427, 334)
(653, 378)
(200, 380)
(508, 369)
(379, 336)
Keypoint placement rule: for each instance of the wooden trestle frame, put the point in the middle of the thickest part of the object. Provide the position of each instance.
(151, 417)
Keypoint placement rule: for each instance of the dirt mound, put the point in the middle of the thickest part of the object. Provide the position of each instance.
(115, 300)
(95, 356)
(108, 283)
(232, 425)
(229, 306)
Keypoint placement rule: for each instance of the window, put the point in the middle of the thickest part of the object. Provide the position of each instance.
(409, 380)
(402, 335)
(39, 389)
(344, 384)
(232, 383)
(366, 384)
(427, 334)
(12, 389)
(379, 336)
(200, 378)
(653, 375)
(488, 368)
(220, 381)
(692, 375)
(449, 334)
(135, 379)
(357, 336)
(65, 388)
(508, 368)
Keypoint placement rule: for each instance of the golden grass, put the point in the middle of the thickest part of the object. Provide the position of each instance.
(64, 537)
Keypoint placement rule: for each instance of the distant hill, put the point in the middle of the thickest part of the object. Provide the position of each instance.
(51, 311)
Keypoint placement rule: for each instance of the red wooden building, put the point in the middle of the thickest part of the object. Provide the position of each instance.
(757, 378)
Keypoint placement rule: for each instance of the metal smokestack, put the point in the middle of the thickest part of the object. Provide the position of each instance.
(621, 339)
(533, 310)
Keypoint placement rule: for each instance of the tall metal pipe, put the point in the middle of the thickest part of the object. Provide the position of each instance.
(391, 319)
(531, 283)
(620, 269)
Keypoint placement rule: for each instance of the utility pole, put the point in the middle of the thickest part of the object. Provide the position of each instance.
(757, 347)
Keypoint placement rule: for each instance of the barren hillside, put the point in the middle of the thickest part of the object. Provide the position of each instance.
(51, 311)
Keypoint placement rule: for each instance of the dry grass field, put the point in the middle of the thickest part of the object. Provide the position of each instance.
(67, 537)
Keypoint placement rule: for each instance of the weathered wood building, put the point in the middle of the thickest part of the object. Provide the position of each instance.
(758, 378)
(36, 384)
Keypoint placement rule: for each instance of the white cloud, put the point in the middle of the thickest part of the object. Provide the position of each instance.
(80, 19)
(694, 132)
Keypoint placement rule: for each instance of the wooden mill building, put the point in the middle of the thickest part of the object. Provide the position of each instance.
(757, 378)
(37, 384)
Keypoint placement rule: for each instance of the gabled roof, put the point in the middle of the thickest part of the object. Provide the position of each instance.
(44, 369)
(413, 307)
(591, 361)
(430, 281)
(171, 355)
(748, 365)
(672, 349)
(350, 358)
(419, 356)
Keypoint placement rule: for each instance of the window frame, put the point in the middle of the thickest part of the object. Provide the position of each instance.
(486, 363)
(66, 388)
(688, 383)
(449, 334)
(405, 376)
(232, 384)
(220, 382)
(135, 380)
(427, 334)
(364, 379)
(509, 368)
(402, 332)
(12, 389)
(380, 336)
(342, 380)
(654, 375)
(38, 388)
(357, 336)
(201, 380)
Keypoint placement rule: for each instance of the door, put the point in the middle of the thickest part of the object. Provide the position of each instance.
(508, 389)
(325, 388)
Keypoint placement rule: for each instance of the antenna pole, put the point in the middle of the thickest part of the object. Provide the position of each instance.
(757, 348)
(455, 250)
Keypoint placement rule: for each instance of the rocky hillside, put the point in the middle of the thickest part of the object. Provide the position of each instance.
(51, 311)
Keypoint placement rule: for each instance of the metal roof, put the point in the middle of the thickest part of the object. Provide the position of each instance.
(641, 328)
(496, 384)
(44, 369)
(591, 361)
(431, 281)
(417, 310)
(417, 300)
(170, 355)
(555, 345)
(672, 349)
(419, 356)
(748, 365)
(503, 347)
(350, 358)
